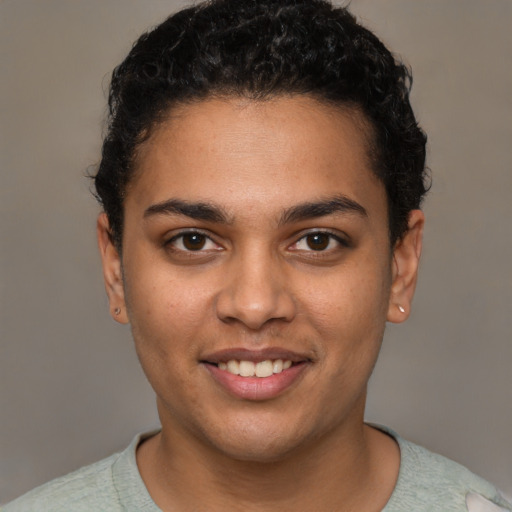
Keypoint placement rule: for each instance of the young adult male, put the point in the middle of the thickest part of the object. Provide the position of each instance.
(261, 182)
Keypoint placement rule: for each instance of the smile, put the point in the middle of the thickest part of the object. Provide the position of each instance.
(256, 374)
(251, 369)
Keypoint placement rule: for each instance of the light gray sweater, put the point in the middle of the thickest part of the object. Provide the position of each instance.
(426, 482)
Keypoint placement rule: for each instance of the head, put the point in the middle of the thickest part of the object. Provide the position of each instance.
(260, 180)
(260, 50)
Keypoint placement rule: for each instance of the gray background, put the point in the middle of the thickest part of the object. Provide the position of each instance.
(71, 390)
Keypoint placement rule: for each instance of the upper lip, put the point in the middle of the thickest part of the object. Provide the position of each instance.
(256, 356)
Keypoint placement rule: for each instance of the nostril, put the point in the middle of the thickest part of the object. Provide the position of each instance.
(255, 291)
(254, 311)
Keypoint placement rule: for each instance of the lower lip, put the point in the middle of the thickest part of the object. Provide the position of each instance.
(257, 388)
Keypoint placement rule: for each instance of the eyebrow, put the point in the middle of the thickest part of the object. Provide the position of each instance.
(198, 211)
(330, 206)
(212, 213)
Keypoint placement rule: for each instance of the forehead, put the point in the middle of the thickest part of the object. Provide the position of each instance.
(270, 154)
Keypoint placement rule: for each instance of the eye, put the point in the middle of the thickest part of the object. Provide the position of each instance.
(192, 241)
(319, 241)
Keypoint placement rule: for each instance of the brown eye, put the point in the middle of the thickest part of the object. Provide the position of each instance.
(194, 241)
(191, 244)
(318, 241)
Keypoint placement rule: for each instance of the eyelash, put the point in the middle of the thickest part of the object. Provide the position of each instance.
(172, 242)
(340, 241)
(206, 239)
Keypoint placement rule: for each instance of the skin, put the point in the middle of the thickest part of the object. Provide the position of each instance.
(258, 282)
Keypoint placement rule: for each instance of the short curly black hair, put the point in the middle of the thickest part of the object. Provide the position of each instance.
(261, 49)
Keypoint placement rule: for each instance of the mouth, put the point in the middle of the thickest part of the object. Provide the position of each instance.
(256, 375)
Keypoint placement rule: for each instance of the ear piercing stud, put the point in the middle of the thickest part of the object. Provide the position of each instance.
(117, 311)
(401, 309)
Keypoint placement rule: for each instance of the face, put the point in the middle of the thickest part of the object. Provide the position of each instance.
(257, 273)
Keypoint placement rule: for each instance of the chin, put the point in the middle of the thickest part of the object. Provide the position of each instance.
(258, 443)
(260, 452)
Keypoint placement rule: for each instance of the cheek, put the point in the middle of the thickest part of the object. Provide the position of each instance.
(349, 316)
(166, 315)
(352, 301)
(160, 299)
(166, 319)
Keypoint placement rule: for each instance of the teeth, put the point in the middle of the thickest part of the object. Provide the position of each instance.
(249, 369)
(278, 366)
(233, 367)
(264, 369)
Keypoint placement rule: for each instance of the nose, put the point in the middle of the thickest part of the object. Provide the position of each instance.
(255, 292)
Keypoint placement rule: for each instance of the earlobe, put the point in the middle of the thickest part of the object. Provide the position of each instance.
(406, 258)
(112, 270)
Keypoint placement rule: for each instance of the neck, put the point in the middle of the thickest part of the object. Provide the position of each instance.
(355, 469)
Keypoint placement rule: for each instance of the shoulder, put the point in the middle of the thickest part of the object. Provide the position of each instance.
(89, 488)
(110, 485)
(428, 481)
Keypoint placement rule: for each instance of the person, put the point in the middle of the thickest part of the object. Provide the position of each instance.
(261, 183)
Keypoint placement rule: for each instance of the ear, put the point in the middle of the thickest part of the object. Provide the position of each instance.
(112, 270)
(406, 258)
